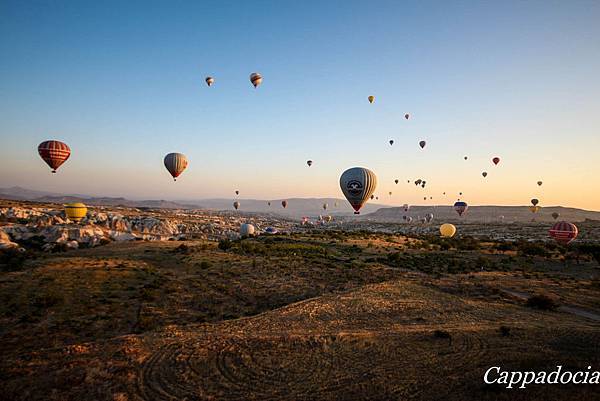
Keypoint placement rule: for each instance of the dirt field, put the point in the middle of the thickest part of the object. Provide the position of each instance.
(324, 315)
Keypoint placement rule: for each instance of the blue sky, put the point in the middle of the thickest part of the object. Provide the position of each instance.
(123, 84)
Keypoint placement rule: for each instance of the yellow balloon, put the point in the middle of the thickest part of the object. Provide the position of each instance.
(534, 209)
(75, 211)
(447, 230)
(371, 99)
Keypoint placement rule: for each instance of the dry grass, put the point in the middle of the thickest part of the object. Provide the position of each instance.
(330, 316)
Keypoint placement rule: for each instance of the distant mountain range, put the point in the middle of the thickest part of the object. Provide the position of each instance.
(298, 207)
(482, 214)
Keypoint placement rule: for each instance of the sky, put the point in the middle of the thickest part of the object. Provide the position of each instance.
(122, 83)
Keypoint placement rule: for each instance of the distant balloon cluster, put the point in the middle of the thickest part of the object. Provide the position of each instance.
(358, 184)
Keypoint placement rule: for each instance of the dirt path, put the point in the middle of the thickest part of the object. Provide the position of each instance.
(565, 308)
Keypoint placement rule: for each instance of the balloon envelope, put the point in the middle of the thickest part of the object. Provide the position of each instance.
(540, 183)
(391, 142)
(371, 99)
(284, 204)
(175, 164)
(236, 205)
(484, 174)
(407, 116)
(54, 153)
(209, 81)
(358, 184)
(309, 162)
(534, 202)
(255, 79)
(247, 229)
(447, 230)
(422, 144)
(460, 207)
(564, 232)
(555, 215)
(75, 211)
(496, 160)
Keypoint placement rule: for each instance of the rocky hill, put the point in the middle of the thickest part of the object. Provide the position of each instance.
(482, 214)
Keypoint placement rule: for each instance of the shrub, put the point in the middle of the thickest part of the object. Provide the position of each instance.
(542, 302)
(442, 334)
(532, 249)
(225, 244)
(591, 249)
(11, 259)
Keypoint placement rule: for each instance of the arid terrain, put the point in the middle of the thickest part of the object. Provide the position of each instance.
(181, 308)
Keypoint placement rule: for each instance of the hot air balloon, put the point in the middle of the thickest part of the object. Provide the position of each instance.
(325, 206)
(429, 217)
(447, 230)
(407, 116)
(396, 181)
(460, 193)
(175, 164)
(534, 202)
(256, 79)
(466, 157)
(309, 162)
(422, 144)
(390, 193)
(496, 160)
(419, 181)
(236, 205)
(424, 198)
(408, 181)
(406, 207)
(358, 184)
(237, 192)
(75, 211)
(391, 142)
(555, 215)
(270, 230)
(564, 232)
(371, 99)
(376, 198)
(372, 197)
(209, 81)
(54, 153)
(269, 203)
(284, 204)
(484, 174)
(460, 207)
(534, 209)
(540, 183)
(247, 230)
(409, 219)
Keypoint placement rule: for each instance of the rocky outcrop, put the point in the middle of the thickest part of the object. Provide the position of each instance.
(50, 229)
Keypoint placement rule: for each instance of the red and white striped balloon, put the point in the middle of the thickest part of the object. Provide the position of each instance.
(54, 153)
(564, 232)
